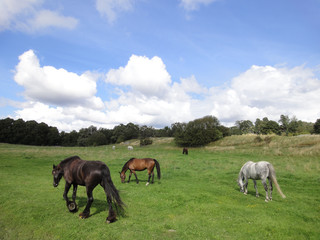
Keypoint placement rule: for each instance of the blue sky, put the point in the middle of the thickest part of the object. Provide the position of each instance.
(73, 63)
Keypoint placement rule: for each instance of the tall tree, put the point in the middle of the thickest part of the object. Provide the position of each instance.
(316, 127)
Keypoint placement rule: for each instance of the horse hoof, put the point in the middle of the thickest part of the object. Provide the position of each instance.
(84, 215)
(147, 184)
(266, 200)
(245, 193)
(72, 206)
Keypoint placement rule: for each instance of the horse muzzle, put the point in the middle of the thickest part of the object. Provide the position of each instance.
(55, 184)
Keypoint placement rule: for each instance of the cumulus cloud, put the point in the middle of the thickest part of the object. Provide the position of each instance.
(145, 76)
(55, 86)
(28, 16)
(266, 91)
(151, 97)
(64, 118)
(111, 8)
(191, 5)
(144, 93)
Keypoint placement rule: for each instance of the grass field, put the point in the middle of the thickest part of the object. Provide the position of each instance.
(197, 197)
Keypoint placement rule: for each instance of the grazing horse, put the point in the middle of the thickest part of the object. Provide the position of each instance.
(136, 164)
(185, 151)
(258, 171)
(89, 174)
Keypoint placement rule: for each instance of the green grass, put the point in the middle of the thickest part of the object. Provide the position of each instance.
(197, 197)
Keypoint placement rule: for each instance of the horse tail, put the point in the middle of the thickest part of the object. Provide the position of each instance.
(272, 174)
(111, 191)
(158, 168)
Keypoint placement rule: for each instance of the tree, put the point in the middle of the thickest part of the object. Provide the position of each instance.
(245, 126)
(96, 139)
(84, 134)
(285, 121)
(6, 130)
(266, 126)
(316, 127)
(198, 132)
(123, 132)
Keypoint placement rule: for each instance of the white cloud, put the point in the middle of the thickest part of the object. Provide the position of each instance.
(191, 5)
(47, 19)
(143, 93)
(28, 16)
(64, 118)
(266, 91)
(55, 86)
(145, 76)
(111, 8)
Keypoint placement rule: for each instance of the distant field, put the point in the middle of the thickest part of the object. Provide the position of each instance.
(197, 197)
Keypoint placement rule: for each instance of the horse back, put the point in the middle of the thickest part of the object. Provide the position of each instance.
(141, 164)
(256, 171)
(83, 172)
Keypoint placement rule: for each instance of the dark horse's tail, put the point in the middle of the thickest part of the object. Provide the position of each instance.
(158, 168)
(111, 192)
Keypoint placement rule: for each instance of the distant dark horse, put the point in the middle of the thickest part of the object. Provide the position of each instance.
(185, 151)
(136, 164)
(87, 173)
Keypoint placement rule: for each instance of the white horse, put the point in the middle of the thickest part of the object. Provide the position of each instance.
(258, 171)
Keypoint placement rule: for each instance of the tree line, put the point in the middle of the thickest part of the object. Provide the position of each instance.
(198, 132)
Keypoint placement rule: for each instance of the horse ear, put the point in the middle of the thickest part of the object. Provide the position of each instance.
(54, 166)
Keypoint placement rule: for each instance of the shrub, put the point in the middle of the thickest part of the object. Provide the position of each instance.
(145, 141)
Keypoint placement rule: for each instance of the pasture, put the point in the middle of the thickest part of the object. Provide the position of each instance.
(196, 198)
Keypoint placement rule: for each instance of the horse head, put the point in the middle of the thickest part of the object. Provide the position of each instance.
(122, 176)
(240, 183)
(57, 173)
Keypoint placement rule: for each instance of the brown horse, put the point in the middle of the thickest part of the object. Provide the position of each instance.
(185, 151)
(89, 174)
(136, 164)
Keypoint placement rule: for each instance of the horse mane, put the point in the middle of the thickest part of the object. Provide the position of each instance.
(67, 160)
(125, 166)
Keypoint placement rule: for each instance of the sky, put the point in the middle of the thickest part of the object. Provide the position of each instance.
(73, 64)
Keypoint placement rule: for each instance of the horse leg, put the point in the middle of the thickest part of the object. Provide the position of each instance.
(264, 182)
(74, 194)
(86, 211)
(152, 177)
(271, 188)
(134, 172)
(149, 176)
(72, 206)
(65, 193)
(255, 186)
(245, 187)
(112, 217)
(130, 176)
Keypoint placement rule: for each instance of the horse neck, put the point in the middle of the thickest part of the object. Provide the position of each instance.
(240, 177)
(125, 167)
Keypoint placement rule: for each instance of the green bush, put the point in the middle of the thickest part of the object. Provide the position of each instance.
(145, 141)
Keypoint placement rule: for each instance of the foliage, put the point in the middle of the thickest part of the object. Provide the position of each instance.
(198, 132)
(195, 133)
(146, 141)
(245, 126)
(316, 127)
(29, 133)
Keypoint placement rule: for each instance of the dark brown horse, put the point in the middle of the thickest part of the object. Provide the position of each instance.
(136, 164)
(89, 174)
(185, 151)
